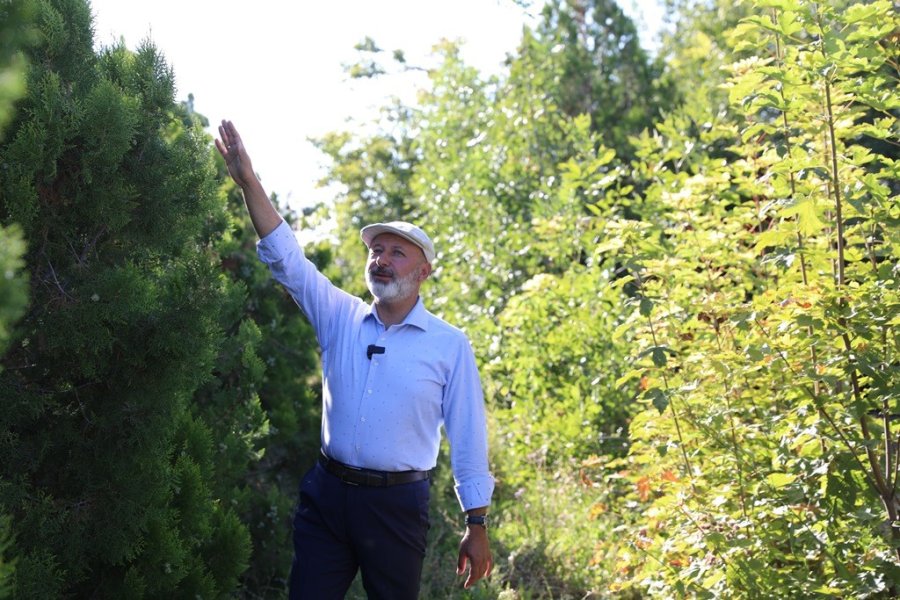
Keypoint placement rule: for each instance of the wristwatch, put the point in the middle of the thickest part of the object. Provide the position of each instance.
(477, 520)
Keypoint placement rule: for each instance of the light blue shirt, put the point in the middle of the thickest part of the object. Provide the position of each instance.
(386, 412)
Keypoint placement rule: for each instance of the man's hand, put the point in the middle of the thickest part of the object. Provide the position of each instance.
(264, 216)
(474, 550)
(236, 158)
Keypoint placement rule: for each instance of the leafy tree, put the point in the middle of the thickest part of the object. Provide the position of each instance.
(589, 60)
(695, 50)
(373, 174)
(762, 325)
(731, 282)
(503, 180)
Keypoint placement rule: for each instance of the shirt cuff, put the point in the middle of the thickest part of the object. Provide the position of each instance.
(475, 493)
(279, 242)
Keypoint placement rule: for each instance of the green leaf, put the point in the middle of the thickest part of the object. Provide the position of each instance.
(779, 480)
(807, 217)
(788, 24)
(604, 158)
(659, 398)
(596, 210)
(830, 591)
(772, 238)
(868, 11)
(659, 356)
(628, 376)
(715, 540)
(614, 242)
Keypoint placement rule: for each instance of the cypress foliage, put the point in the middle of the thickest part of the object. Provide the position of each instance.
(112, 476)
(266, 382)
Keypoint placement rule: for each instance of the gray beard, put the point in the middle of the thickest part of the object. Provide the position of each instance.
(396, 289)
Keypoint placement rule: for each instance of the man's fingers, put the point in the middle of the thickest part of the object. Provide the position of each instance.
(228, 143)
(470, 580)
(229, 135)
(228, 153)
(476, 572)
(234, 138)
(475, 552)
(223, 134)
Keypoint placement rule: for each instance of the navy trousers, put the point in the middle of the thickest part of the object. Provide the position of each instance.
(340, 529)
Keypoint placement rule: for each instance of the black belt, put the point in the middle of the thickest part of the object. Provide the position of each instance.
(370, 477)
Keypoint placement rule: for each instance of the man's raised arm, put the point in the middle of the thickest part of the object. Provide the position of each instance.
(264, 216)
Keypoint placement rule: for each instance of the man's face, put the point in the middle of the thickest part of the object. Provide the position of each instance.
(396, 268)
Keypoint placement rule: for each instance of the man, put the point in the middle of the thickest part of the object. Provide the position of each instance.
(392, 375)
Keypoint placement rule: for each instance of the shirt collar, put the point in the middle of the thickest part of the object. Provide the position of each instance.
(417, 317)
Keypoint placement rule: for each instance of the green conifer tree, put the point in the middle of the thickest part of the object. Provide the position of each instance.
(265, 381)
(111, 475)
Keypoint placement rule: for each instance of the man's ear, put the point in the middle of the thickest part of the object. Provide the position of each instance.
(425, 271)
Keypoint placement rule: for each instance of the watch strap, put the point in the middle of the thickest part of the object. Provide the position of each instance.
(476, 520)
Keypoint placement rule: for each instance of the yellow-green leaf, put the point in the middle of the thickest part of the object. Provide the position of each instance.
(779, 480)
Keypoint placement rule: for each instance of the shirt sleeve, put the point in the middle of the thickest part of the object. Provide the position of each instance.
(464, 420)
(319, 299)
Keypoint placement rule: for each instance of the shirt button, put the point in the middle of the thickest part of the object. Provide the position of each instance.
(370, 391)
(363, 419)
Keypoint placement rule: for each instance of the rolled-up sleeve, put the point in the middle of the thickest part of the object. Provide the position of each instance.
(464, 420)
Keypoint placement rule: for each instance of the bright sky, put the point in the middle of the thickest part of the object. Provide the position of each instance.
(275, 67)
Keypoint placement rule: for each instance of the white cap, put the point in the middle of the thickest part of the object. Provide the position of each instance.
(403, 229)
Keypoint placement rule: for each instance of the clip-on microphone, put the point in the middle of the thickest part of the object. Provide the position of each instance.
(373, 349)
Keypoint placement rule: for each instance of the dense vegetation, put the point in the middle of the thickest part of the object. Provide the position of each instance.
(679, 274)
(148, 408)
(686, 329)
